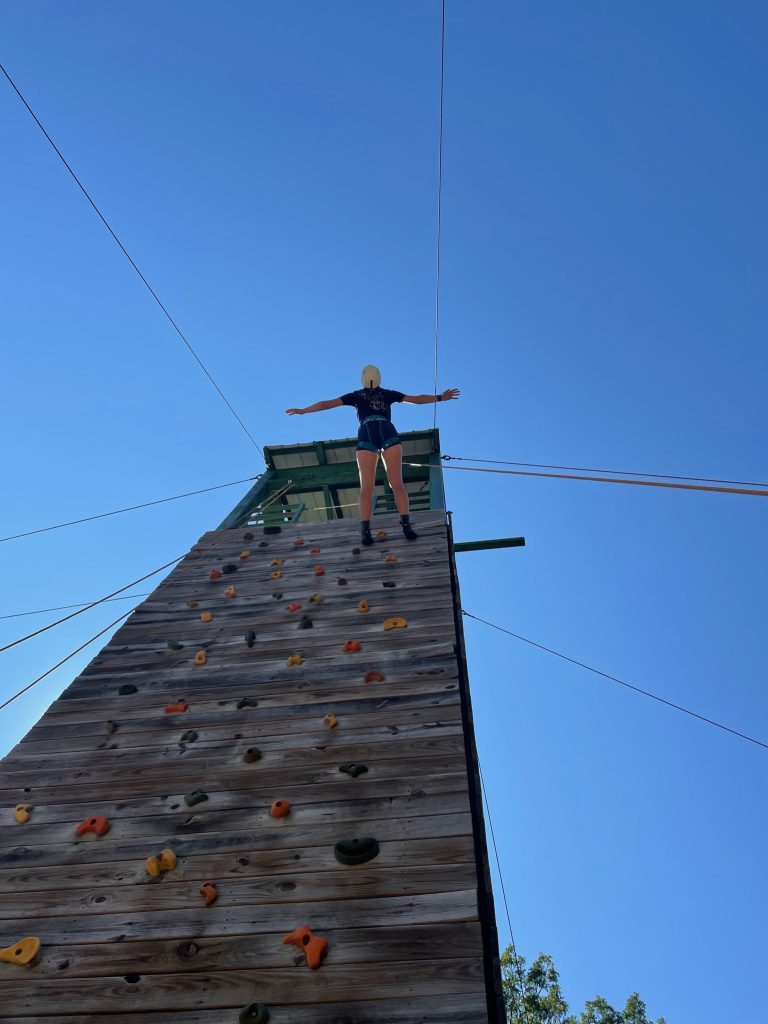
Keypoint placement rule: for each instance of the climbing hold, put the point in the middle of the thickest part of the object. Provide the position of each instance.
(254, 1013)
(397, 622)
(174, 645)
(352, 645)
(292, 607)
(316, 599)
(280, 808)
(272, 529)
(295, 659)
(298, 542)
(24, 952)
(305, 623)
(263, 544)
(206, 616)
(331, 721)
(389, 584)
(214, 574)
(189, 736)
(276, 561)
(319, 570)
(277, 594)
(362, 604)
(191, 604)
(163, 861)
(350, 768)
(247, 702)
(98, 824)
(200, 658)
(230, 592)
(276, 576)
(247, 538)
(244, 555)
(127, 688)
(197, 796)
(355, 551)
(341, 581)
(229, 567)
(21, 814)
(250, 637)
(314, 947)
(374, 676)
(111, 727)
(209, 892)
(180, 705)
(314, 551)
(356, 851)
(252, 754)
(381, 533)
(390, 558)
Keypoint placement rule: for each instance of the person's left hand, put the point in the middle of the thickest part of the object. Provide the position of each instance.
(450, 393)
(295, 412)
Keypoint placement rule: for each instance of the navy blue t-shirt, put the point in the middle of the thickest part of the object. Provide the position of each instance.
(373, 402)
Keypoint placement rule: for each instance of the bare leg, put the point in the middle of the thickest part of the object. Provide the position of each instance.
(366, 464)
(393, 460)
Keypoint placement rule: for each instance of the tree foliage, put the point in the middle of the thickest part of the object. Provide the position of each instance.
(532, 995)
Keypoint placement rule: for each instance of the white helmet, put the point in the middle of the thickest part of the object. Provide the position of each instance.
(370, 377)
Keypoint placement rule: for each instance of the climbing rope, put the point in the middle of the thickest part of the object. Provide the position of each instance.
(64, 607)
(93, 604)
(621, 682)
(439, 208)
(63, 660)
(603, 480)
(127, 255)
(128, 508)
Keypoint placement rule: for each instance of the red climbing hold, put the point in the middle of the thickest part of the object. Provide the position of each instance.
(292, 607)
(352, 645)
(214, 574)
(180, 705)
(298, 542)
(314, 551)
(98, 824)
(374, 676)
(319, 570)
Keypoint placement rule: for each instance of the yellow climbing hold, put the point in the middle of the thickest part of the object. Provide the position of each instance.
(316, 598)
(295, 659)
(191, 603)
(331, 721)
(24, 952)
(205, 616)
(363, 605)
(245, 554)
(395, 623)
(164, 861)
(21, 814)
(230, 592)
(277, 561)
(200, 658)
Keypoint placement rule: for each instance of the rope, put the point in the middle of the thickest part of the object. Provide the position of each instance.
(128, 508)
(125, 252)
(615, 679)
(504, 895)
(93, 604)
(63, 607)
(60, 663)
(439, 209)
(603, 480)
(618, 472)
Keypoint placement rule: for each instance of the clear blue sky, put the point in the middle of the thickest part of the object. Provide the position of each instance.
(272, 169)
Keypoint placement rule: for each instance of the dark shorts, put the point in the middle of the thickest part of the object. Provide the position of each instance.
(376, 434)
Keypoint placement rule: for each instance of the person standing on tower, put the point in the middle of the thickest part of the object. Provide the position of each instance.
(377, 435)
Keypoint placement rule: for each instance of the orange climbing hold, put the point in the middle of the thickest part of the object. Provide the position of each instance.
(24, 952)
(277, 561)
(292, 607)
(209, 892)
(230, 592)
(314, 947)
(97, 824)
(280, 808)
(206, 616)
(319, 570)
(180, 705)
(200, 658)
(390, 559)
(22, 813)
(352, 645)
(276, 574)
(164, 861)
(295, 659)
(374, 676)
(397, 622)
(214, 574)
(362, 605)
(381, 533)
(331, 721)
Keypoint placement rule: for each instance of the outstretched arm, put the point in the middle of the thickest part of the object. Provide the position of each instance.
(331, 403)
(445, 396)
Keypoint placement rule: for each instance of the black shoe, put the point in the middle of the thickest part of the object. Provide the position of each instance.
(408, 530)
(366, 538)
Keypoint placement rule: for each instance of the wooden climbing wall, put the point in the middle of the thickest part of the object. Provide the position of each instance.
(409, 937)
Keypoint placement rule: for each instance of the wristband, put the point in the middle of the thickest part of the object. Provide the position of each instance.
(439, 398)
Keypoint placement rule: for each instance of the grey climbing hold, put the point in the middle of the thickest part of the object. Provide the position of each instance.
(254, 1013)
(247, 702)
(388, 583)
(189, 736)
(350, 768)
(250, 637)
(197, 796)
(174, 645)
(277, 595)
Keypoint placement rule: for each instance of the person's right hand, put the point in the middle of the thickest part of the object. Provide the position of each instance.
(295, 412)
(450, 393)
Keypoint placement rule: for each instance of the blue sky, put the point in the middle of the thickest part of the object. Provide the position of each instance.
(272, 169)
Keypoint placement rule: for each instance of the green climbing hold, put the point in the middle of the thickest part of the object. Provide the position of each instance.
(305, 623)
(174, 645)
(252, 754)
(189, 736)
(277, 595)
(254, 1013)
(263, 543)
(356, 851)
(197, 796)
(127, 688)
(388, 583)
(229, 567)
(350, 768)
(247, 702)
